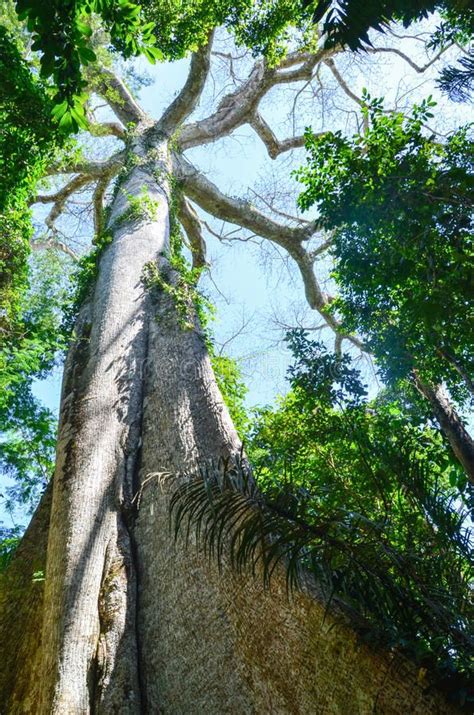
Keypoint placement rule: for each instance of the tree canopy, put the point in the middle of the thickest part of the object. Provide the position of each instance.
(400, 204)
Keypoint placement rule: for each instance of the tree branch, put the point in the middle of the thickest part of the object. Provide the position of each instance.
(118, 96)
(192, 225)
(244, 214)
(408, 60)
(273, 145)
(236, 210)
(53, 243)
(187, 100)
(342, 82)
(107, 129)
(279, 212)
(60, 197)
(93, 169)
(236, 108)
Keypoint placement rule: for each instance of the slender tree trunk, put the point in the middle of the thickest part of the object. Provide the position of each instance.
(132, 621)
(457, 435)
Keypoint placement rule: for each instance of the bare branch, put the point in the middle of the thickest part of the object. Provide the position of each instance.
(243, 213)
(322, 248)
(236, 108)
(73, 185)
(306, 68)
(187, 100)
(273, 145)
(283, 214)
(408, 60)
(342, 82)
(53, 243)
(103, 171)
(60, 197)
(192, 225)
(235, 210)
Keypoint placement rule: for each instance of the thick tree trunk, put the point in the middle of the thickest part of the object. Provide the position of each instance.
(89, 658)
(133, 622)
(21, 613)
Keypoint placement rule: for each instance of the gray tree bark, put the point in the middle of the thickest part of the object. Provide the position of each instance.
(89, 647)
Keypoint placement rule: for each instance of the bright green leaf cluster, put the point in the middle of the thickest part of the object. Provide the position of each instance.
(61, 32)
(400, 206)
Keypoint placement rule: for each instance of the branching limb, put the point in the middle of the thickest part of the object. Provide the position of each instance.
(63, 194)
(273, 145)
(192, 225)
(236, 210)
(60, 198)
(243, 213)
(279, 212)
(236, 108)
(187, 100)
(93, 169)
(322, 248)
(107, 129)
(307, 63)
(103, 171)
(342, 82)
(118, 96)
(53, 243)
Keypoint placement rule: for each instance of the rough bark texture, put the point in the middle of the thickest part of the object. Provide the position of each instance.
(89, 639)
(21, 611)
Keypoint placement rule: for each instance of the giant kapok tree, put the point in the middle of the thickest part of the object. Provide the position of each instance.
(102, 609)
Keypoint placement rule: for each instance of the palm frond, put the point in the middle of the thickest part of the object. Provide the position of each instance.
(401, 597)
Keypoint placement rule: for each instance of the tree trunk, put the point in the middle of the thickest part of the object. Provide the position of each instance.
(89, 659)
(131, 621)
(457, 435)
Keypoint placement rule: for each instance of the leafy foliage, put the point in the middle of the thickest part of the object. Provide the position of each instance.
(62, 35)
(263, 27)
(61, 32)
(356, 493)
(29, 323)
(347, 22)
(28, 430)
(458, 80)
(400, 205)
(9, 540)
(457, 26)
(27, 139)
